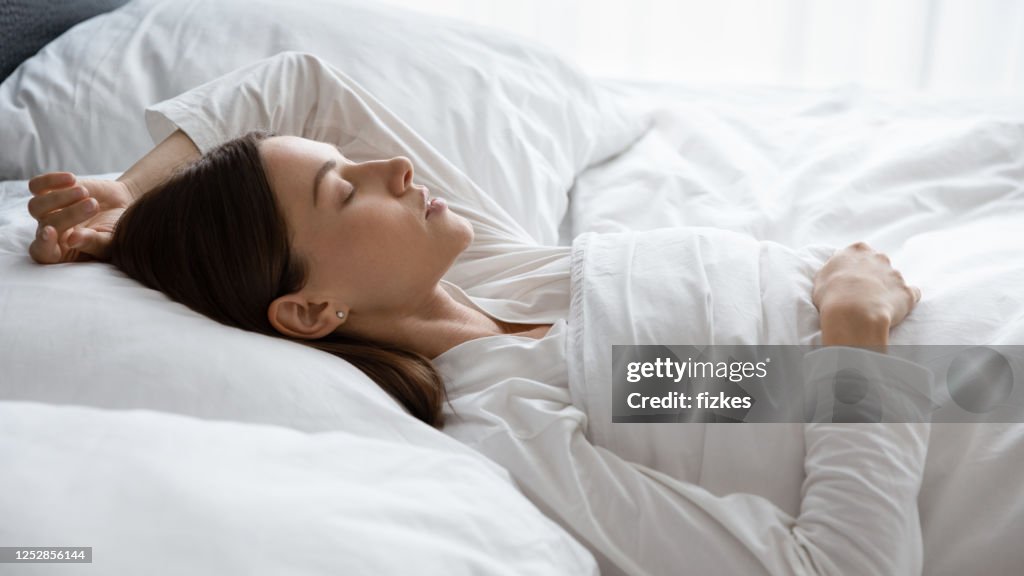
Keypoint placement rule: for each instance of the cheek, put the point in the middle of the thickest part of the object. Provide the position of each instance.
(379, 236)
(382, 237)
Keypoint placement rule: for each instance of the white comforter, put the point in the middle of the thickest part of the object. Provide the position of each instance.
(941, 194)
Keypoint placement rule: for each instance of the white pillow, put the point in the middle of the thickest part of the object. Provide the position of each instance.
(515, 118)
(84, 334)
(156, 493)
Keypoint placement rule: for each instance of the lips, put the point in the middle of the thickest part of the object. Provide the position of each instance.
(436, 205)
(431, 205)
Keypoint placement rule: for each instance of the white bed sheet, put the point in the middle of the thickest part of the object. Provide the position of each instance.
(938, 185)
(803, 167)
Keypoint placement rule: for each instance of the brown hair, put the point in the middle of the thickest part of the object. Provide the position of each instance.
(213, 238)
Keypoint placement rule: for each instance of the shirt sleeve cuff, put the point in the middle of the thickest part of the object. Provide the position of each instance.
(163, 118)
(858, 385)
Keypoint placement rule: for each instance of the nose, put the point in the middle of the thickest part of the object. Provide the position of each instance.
(399, 175)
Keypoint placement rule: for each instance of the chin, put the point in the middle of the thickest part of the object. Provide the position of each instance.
(467, 232)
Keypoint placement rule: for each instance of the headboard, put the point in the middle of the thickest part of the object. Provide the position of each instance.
(28, 25)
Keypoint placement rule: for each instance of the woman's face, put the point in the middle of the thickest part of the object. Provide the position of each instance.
(362, 228)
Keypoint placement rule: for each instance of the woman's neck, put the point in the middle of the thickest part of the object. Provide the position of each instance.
(433, 326)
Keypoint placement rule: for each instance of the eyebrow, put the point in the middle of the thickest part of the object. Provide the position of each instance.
(329, 165)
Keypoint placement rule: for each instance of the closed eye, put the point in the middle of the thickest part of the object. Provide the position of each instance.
(350, 185)
(341, 165)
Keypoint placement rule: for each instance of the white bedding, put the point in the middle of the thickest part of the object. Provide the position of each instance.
(828, 167)
(703, 286)
(159, 493)
(515, 116)
(517, 119)
(936, 185)
(83, 334)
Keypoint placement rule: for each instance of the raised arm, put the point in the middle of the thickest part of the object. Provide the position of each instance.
(175, 151)
(299, 94)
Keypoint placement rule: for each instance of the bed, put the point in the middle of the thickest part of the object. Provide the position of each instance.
(169, 443)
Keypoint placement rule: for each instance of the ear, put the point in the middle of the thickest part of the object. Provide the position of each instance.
(296, 317)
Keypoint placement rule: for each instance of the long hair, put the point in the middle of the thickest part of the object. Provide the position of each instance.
(213, 238)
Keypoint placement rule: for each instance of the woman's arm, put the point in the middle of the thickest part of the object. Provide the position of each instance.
(159, 164)
(858, 513)
(860, 297)
(295, 93)
(299, 94)
(77, 216)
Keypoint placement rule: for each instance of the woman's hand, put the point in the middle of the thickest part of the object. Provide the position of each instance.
(860, 297)
(76, 217)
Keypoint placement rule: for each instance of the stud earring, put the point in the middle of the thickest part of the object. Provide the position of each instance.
(341, 314)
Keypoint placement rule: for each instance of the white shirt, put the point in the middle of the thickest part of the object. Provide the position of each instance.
(510, 399)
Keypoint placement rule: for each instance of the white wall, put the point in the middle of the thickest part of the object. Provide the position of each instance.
(943, 47)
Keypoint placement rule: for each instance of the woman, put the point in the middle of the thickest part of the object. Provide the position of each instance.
(286, 236)
(376, 300)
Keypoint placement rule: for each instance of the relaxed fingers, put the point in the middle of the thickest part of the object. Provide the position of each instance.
(44, 248)
(40, 206)
(49, 181)
(71, 216)
(94, 244)
(79, 237)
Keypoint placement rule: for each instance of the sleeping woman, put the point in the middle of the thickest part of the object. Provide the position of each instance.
(283, 199)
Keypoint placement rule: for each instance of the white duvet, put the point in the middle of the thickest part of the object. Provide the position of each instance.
(764, 193)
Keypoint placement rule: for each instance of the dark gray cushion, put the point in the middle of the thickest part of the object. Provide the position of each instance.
(28, 25)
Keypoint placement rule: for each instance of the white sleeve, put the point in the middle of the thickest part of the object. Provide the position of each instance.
(295, 93)
(857, 385)
(858, 513)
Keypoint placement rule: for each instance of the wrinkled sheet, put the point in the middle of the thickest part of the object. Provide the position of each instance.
(758, 192)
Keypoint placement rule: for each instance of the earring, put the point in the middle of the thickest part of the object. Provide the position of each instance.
(341, 314)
